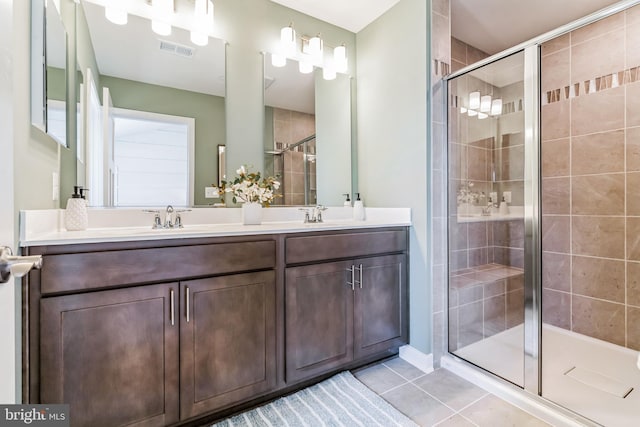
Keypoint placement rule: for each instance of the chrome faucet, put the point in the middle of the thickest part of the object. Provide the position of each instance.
(168, 223)
(169, 220)
(313, 215)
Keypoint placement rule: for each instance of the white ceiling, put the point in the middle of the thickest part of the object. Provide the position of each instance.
(352, 15)
(495, 25)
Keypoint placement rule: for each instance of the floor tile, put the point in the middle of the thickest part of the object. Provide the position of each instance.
(403, 368)
(379, 378)
(490, 410)
(417, 405)
(450, 389)
(456, 421)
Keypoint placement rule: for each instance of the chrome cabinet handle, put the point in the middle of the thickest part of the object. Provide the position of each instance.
(360, 271)
(352, 270)
(187, 297)
(172, 308)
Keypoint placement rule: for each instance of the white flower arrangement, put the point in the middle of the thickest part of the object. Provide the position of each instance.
(249, 187)
(466, 194)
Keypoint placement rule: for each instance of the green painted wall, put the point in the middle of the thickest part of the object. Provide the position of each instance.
(392, 135)
(207, 110)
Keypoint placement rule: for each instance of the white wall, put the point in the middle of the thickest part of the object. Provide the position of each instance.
(392, 135)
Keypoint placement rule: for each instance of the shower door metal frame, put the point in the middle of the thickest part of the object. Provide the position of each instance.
(532, 205)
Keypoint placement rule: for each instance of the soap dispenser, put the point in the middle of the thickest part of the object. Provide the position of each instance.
(76, 216)
(504, 207)
(347, 203)
(358, 209)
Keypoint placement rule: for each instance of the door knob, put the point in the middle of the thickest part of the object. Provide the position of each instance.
(16, 265)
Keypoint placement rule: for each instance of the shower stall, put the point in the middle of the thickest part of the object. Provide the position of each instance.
(544, 216)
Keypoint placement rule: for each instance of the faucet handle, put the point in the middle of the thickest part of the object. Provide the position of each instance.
(157, 222)
(318, 212)
(306, 214)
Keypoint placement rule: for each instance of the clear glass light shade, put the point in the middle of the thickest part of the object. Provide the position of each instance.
(278, 60)
(288, 40)
(474, 100)
(340, 58)
(162, 11)
(316, 48)
(485, 104)
(116, 14)
(496, 107)
(202, 22)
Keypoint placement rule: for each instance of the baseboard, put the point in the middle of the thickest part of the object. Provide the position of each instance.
(422, 361)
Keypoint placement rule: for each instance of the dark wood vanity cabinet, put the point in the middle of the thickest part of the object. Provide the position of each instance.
(344, 311)
(166, 332)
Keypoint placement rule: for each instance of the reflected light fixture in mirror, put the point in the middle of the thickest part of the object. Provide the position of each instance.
(340, 58)
(288, 40)
(496, 107)
(485, 104)
(162, 11)
(474, 100)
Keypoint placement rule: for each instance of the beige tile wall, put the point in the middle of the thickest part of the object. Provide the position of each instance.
(591, 180)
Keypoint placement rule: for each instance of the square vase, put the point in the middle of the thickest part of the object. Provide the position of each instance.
(251, 213)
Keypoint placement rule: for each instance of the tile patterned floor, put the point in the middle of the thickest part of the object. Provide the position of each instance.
(441, 398)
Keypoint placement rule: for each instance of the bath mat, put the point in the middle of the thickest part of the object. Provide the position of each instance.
(341, 400)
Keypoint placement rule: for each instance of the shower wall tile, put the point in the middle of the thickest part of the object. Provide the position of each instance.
(509, 256)
(515, 308)
(556, 196)
(633, 104)
(610, 48)
(599, 278)
(478, 167)
(556, 44)
(456, 65)
(598, 194)
(459, 51)
(515, 283)
(597, 29)
(556, 233)
(599, 319)
(441, 7)
(453, 329)
(598, 112)
(495, 315)
(556, 271)
(555, 155)
(633, 16)
(598, 236)
(478, 234)
(470, 319)
(633, 238)
(554, 120)
(633, 331)
(474, 54)
(557, 68)
(633, 149)
(556, 308)
(632, 45)
(633, 194)
(598, 153)
(458, 236)
(633, 284)
(511, 163)
(508, 234)
(496, 288)
(479, 256)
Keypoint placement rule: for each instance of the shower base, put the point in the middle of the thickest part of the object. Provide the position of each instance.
(593, 378)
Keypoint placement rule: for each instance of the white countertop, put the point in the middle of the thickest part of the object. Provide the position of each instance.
(515, 212)
(46, 227)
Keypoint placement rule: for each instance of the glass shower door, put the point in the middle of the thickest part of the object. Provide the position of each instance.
(486, 152)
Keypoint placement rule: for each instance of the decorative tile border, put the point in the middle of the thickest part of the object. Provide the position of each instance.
(594, 85)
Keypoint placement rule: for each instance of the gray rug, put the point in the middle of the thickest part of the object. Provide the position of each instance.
(341, 400)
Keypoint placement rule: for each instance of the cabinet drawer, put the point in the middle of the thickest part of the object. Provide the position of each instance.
(335, 246)
(71, 272)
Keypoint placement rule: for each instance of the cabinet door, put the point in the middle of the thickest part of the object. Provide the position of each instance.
(112, 356)
(227, 340)
(380, 311)
(319, 319)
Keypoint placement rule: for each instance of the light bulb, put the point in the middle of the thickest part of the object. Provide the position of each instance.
(340, 58)
(162, 11)
(474, 100)
(288, 40)
(496, 107)
(278, 60)
(485, 104)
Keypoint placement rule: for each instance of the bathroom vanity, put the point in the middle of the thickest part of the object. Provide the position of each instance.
(162, 329)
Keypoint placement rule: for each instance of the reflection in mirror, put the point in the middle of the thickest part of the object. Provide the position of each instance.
(158, 76)
(222, 164)
(290, 132)
(48, 77)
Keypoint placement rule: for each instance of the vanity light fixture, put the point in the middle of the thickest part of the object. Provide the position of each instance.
(305, 65)
(482, 116)
(485, 103)
(329, 70)
(202, 22)
(162, 11)
(316, 48)
(496, 107)
(116, 13)
(340, 58)
(474, 100)
(472, 113)
(288, 40)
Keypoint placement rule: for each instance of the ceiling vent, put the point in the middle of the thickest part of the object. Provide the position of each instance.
(176, 49)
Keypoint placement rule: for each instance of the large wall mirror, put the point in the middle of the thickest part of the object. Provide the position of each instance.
(48, 69)
(154, 109)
